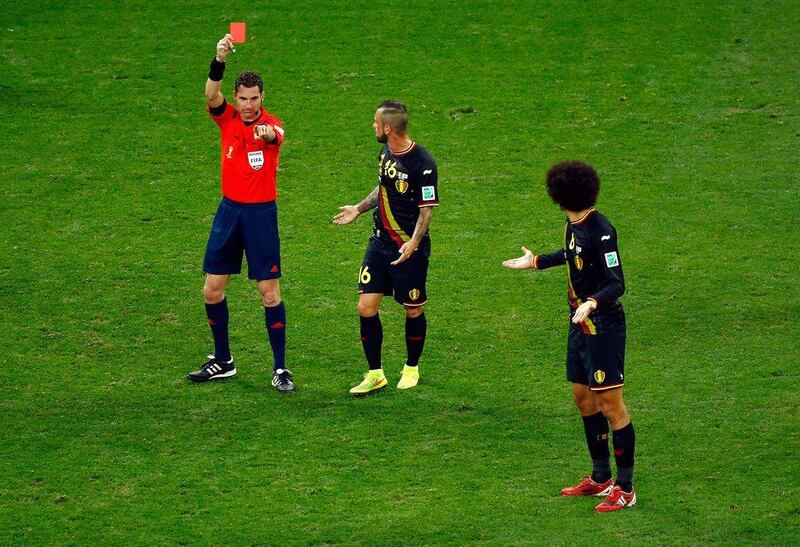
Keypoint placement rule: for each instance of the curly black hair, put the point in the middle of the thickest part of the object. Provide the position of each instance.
(573, 185)
(249, 79)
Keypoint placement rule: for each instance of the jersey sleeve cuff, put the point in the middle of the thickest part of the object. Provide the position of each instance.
(535, 262)
(429, 204)
(280, 134)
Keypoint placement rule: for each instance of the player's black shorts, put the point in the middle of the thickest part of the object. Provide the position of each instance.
(240, 228)
(406, 280)
(596, 360)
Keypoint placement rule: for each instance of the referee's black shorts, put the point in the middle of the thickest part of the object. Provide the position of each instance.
(240, 228)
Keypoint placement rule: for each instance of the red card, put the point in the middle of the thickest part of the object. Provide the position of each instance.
(238, 33)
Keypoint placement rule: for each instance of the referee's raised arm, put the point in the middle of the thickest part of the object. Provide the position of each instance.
(216, 70)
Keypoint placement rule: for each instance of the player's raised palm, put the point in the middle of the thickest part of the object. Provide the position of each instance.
(346, 215)
(522, 263)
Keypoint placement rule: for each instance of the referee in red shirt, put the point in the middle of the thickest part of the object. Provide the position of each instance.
(247, 218)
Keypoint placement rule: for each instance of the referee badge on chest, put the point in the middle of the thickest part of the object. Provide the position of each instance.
(256, 159)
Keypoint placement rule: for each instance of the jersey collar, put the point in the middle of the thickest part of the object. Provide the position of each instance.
(585, 216)
(404, 152)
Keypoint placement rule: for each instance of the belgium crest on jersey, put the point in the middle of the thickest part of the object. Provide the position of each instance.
(401, 186)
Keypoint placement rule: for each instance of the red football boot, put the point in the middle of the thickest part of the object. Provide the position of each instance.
(616, 500)
(588, 487)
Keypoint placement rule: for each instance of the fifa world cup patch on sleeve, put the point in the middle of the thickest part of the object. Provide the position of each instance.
(612, 260)
(428, 193)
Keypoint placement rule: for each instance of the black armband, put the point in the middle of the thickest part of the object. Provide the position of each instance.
(219, 110)
(216, 70)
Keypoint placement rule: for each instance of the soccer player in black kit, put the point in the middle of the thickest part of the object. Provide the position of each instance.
(396, 261)
(596, 343)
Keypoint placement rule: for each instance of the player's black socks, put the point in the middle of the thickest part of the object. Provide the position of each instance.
(596, 429)
(372, 339)
(415, 338)
(218, 321)
(275, 319)
(624, 442)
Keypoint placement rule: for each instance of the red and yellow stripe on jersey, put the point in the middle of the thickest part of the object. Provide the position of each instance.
(587, 325)
(389, 223)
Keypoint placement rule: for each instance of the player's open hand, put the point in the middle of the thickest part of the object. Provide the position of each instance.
(347, 214)
(224, 47)
(522, 263)
(583, 311)
(408, 249)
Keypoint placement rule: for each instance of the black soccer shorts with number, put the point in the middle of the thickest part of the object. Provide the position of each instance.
(406, 281)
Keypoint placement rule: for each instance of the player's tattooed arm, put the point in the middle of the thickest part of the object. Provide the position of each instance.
(348, 213)
(369, 202)
(423, 221)
(421, 228)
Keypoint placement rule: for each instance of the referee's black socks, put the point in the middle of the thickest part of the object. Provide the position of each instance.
(218, 321)
(596, 429)
(275, 319)
(372, 339)
(624, 443)
(415, 338)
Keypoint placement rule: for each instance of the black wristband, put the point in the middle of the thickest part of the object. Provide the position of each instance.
(216, 70)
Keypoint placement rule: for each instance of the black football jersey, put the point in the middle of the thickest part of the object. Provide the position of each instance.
(408, 181)
(594, 270)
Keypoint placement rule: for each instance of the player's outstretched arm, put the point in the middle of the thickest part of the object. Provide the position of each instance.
(522, 263)
(214, 82)
(348, 213)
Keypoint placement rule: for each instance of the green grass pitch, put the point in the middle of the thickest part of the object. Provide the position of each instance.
(689, 110)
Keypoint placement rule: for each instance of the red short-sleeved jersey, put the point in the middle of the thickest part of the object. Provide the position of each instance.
(249, 166)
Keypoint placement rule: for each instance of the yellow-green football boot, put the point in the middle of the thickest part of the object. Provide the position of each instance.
(409, 378)
(373, 380)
